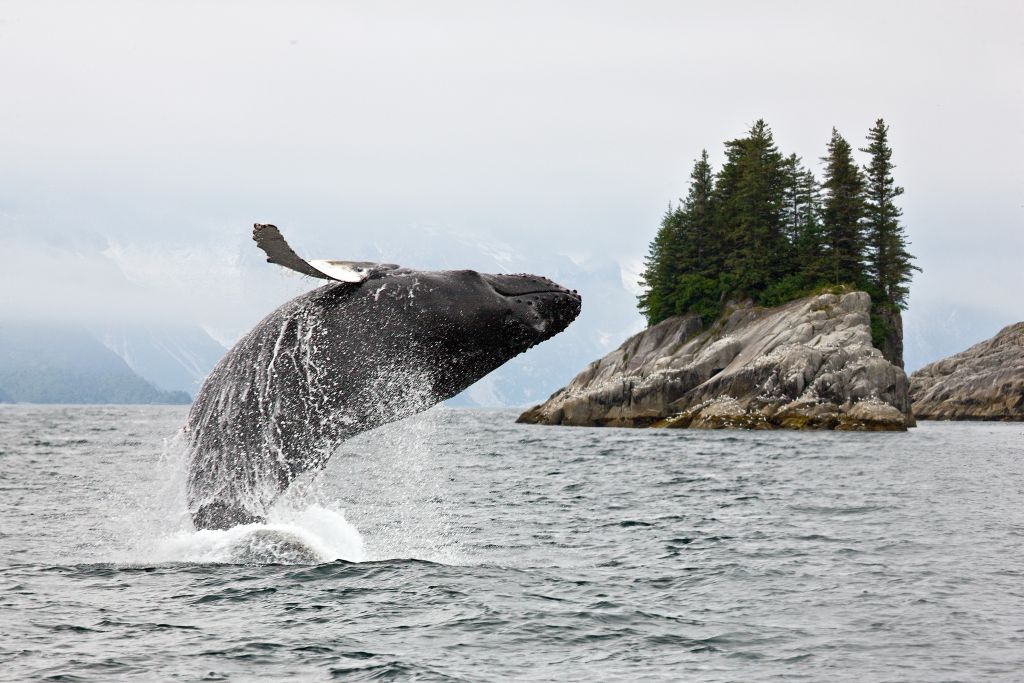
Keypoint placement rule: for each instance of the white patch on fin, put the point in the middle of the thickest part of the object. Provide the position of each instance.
(345, 271)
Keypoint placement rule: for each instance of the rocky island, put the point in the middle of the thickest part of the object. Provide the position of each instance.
(985, 382)
(822, 271)
(809, 364)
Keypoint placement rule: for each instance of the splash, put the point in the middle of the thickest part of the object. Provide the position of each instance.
(383, 496)
(396, 481)
(303, 527)
(391, 481)
(312, 535)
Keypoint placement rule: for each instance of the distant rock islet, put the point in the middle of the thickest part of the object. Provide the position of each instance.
(985, 382)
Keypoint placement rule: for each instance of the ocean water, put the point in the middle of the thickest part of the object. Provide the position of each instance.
(461, 546)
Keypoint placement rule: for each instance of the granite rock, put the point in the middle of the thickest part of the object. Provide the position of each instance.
(808, 364)
(985, 382)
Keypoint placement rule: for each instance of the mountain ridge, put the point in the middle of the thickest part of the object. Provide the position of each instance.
(67, 364)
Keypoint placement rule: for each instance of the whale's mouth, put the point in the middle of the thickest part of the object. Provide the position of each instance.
(537, 291)
(519, 285)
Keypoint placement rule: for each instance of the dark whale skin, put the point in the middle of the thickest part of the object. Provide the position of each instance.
(345, 358)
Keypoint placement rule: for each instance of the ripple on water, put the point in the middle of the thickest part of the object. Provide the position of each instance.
(471, 548)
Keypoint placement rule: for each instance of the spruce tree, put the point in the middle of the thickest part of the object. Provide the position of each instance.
(891, 265)
(750, 198)
(658, 278)
(802, 221)
(699, 256)
(683, 259)
(842, 213)
(791, 198)
(703, 256)
(760, 228)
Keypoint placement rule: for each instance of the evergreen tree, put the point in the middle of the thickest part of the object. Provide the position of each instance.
(891, 265)
(658, 278)
(842, 214)
(700, 217)
(683, 251)
(792, 199)
(802, 221)
(760, 228)
(750, 198)
(699, 256)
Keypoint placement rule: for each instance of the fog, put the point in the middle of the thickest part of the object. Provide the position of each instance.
(140, 141)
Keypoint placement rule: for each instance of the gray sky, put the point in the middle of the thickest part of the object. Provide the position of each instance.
(150, 136)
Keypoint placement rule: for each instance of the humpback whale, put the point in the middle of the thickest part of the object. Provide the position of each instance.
(375, 344)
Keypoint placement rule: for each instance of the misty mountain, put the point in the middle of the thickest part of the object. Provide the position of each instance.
(933, 330)
(177, 355)
(67, 364)
(171, 357)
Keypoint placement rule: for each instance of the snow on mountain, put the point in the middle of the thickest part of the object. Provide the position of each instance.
(172, 357)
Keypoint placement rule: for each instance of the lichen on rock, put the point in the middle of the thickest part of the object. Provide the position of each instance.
(809, 364)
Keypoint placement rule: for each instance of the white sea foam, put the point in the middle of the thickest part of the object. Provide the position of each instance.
(308, 536)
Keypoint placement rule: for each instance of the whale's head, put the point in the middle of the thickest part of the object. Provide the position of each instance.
(532, 308)
(458, 324)
(479, 311)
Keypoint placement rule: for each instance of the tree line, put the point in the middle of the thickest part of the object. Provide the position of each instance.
(763, 227)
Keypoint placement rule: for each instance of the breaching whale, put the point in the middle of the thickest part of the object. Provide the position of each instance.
(376, 344)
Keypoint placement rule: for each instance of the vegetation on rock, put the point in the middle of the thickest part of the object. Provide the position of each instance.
(764, 228)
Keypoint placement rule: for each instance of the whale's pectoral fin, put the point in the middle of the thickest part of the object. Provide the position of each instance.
(352, 271)
(269, 239)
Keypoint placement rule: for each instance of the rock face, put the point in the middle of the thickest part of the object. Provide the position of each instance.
(985, 382)
(808, 364)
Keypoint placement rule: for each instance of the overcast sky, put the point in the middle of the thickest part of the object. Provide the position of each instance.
(152, 135)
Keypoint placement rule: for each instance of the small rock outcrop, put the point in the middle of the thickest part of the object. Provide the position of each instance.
(985, 382)
(808, 364)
